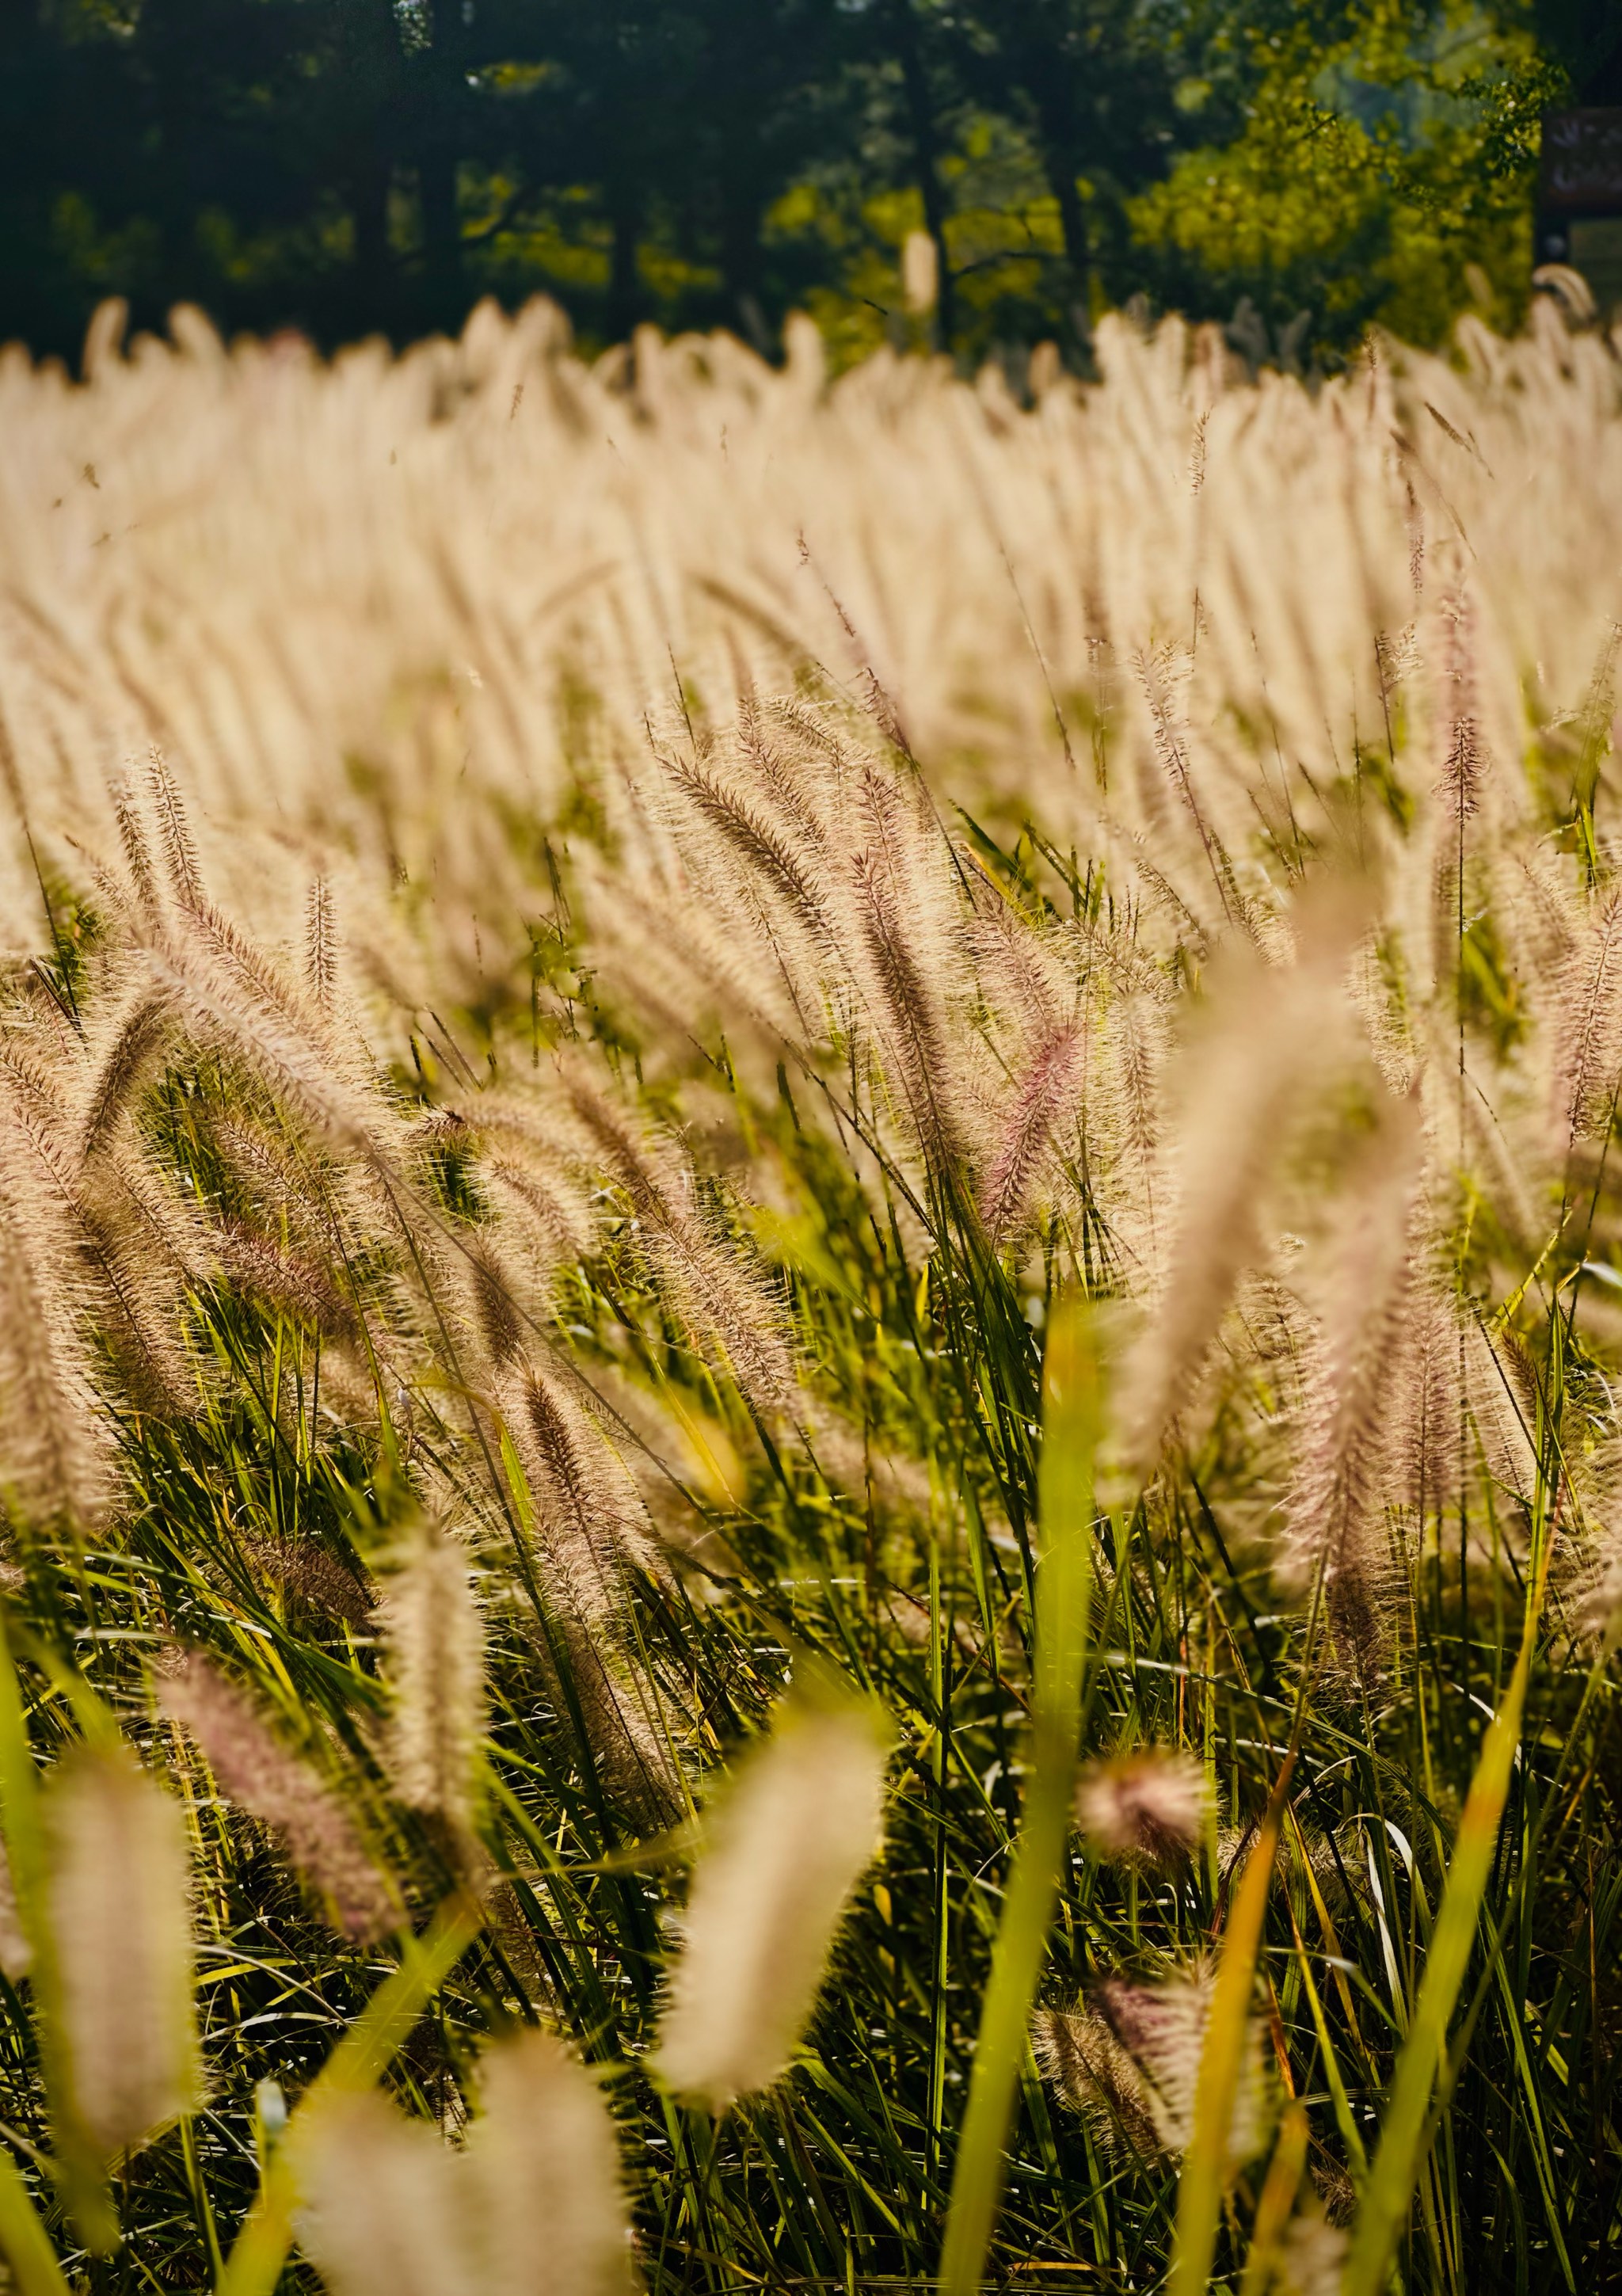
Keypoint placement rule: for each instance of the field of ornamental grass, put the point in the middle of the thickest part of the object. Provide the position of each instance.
(810, 1294)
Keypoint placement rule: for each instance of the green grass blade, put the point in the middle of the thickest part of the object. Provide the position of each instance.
(1071, 1419)
(261, 2249)
(1404, 2135)
(24, 2242)
(78, 2174)
(1205, 2168)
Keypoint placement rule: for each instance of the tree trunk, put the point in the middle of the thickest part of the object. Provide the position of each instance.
(373, 65)
(1044, 75)
(443, 293)
(742, 264)
(369, 197)
(926, 150)
(1058, 165)
(624, 286)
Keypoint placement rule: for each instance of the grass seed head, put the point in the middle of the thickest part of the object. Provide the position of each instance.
(1147, 1807)
(117, 1901)
(271, 1784)
(433, 1662)
(385, 2208)
(785, 1850)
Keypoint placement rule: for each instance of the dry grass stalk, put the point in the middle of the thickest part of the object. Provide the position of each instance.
(1273, 1028)
(385, 2211)
(544, 2156)
(1090, 2072)
(589, 1530)
(308, 1571)
(1589, 1027)
(56, 1464)
(1335, 1542)
(717, 1292)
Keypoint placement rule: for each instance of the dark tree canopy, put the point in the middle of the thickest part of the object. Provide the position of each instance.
(346, 166)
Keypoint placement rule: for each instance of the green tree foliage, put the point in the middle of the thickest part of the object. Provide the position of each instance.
(348, 164)
(1386, 176)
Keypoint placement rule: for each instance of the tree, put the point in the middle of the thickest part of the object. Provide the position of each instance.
(348, 164)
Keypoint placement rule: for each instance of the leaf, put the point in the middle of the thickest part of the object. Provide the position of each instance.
(1071, 1426)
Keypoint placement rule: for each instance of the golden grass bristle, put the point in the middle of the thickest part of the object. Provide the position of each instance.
(1091, 2075)
(1335, 1539)
(543, 2158)
(1270, 1029)
(588, 1531)
(386, 2212)
(55, 1451)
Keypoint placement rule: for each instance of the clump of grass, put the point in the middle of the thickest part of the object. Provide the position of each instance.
(673, 1118)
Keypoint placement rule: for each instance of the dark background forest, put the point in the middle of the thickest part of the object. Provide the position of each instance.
(345, 166)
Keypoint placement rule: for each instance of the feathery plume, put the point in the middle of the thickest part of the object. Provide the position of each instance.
(1334, 1532)
(137, 847)
(312, 1574)
(387, 2208)
(495, 1310)
(787, 868)
(1314, 2257)
(588, 1525)
(1458, 1401)
(321, 947)
(787, 1847)
(433, 1646)
(558, 1213)
(1588, 1027)
(589, 1520)
(532, 2205)
(258, 1773)
(1271, 1029)
(55, 1446)
(1147, 1807)
(135, 1038)
(1160, 675)
(300, 1285)
(544, 2158)
(1162, 2028)
(1040, 1095)
(174, 840)
(900, 973)
(713, 1283)
(1458, 785)
(1090, 2072)
(128, 1244)
(118, 1903)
